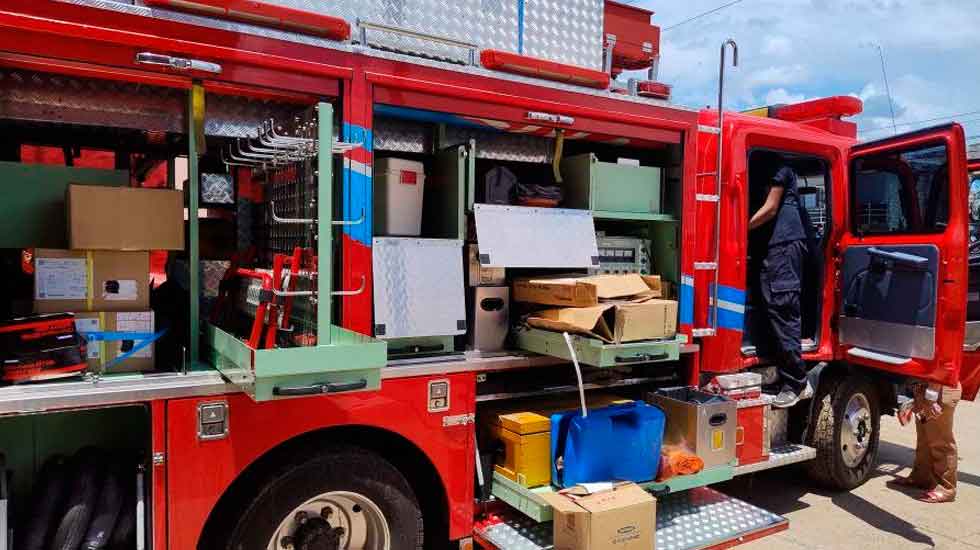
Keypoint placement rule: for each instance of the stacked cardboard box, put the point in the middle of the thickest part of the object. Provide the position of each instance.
(612, 308)
(105, 278)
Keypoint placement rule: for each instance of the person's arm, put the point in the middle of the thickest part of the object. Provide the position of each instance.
(769, 209)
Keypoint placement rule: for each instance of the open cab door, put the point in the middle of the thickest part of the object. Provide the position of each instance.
(903, 255)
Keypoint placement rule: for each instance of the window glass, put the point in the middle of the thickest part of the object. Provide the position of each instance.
(901, 191)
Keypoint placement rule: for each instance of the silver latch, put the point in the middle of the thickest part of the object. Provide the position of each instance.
(177, 63)
(159, 458)
(538, 116)
(212, 421)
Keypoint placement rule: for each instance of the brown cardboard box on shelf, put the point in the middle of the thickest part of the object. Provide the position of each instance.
(480, 275)
(124, 218)
(613, 322)
(90, 280)
(102, 353)
(622, 517)
(585, 291)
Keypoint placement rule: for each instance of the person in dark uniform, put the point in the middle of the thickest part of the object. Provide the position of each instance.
(777, 247)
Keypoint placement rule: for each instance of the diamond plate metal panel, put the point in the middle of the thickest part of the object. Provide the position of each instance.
(781, 456)
(501, 145)
(567, 31)
(516, 236)
(48, 97)
(217, 188)
(418, 287)
(699, 518)
(237, 116)
(400, 135)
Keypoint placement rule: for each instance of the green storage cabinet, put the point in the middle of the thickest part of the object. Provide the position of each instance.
(596, 353)
(609, 188)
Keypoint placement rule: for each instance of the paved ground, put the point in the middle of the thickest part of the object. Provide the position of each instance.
(874, 516)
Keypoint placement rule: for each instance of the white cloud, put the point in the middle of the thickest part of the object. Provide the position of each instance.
(812, 48)
(778, 96)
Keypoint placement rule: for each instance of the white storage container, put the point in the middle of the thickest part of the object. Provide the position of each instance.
(398, 188)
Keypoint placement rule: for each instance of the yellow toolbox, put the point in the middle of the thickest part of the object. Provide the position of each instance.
(526, 437)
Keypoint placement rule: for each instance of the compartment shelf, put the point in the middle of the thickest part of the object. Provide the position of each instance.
(597, 353)
(350, 362)
(634, 216)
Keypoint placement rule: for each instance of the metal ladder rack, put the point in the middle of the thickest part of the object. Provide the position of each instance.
(715, 197)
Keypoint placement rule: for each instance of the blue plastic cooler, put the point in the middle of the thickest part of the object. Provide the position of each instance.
(615, 443)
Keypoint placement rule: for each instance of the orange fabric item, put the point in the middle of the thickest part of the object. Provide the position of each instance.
(678, 461)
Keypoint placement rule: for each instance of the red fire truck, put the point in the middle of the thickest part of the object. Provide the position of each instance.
(321, 418)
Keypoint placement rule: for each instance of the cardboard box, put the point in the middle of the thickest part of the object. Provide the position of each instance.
(585, 291)
(80, 280)
(483, 276)
(124, 218)
(100, 353)
(623, 517)
(613, 322)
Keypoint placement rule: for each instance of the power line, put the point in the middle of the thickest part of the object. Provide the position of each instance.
(915, 122)
(700, 15)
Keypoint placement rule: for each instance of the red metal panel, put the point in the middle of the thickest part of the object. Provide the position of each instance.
(200, 471)
(750, 444)
(158, 474)
(950, 327)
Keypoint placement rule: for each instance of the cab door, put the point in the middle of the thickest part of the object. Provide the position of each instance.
(902, 276)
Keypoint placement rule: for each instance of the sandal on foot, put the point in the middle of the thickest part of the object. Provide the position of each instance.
(936, 496)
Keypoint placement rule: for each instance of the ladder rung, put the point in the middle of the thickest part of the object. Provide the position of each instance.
(707, 174)
(699, 332)
(709, 129)
(704, 197)
(705, 266)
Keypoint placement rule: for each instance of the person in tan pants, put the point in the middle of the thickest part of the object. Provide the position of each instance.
(935, 451)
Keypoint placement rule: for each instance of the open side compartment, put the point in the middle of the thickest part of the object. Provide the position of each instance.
(75, 473)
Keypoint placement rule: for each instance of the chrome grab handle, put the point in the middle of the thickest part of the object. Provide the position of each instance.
(358, 221)
(298, 221)
(177, 63)
(352, 292)
(365, 25)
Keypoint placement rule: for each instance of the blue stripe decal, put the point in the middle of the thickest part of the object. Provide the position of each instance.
(731, 320)
(520, 26)
(731, 294)
(358, 191)
(687, 304)
(357, 134)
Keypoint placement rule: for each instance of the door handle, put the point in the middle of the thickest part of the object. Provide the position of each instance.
(643, 358)
(899, 257)
(177, 63)
(316, 389)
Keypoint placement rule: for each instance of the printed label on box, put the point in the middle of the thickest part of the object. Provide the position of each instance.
(136, 322)
(61, 279)
(90, 325)
(122, 290)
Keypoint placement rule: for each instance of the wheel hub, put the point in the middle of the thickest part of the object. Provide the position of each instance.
(337, 520)
(856, 430)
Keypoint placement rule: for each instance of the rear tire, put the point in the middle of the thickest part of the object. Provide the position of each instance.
(845, 430)
(366, 496)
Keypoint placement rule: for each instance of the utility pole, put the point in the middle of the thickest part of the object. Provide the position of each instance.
(884, 75)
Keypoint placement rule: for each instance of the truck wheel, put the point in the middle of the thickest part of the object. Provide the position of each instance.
(845, 430)
(344, 498)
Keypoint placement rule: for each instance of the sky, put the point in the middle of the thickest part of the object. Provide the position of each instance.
(791, 50)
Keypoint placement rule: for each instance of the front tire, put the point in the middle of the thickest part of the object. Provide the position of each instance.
(845, 430)
(343, 498)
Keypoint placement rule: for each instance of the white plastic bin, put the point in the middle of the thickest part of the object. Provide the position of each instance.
(398, 188)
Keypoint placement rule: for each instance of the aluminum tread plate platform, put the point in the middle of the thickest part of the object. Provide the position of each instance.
(698, 519)
(781, 456)
(418, 287)
(518, 236)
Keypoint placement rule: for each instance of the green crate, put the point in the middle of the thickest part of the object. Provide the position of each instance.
(612, 188)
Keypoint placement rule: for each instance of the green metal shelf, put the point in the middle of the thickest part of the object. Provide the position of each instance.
(633, 216)
(528, 501)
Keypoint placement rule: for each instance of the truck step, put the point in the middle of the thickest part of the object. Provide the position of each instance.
(701, 518)
(782, 456)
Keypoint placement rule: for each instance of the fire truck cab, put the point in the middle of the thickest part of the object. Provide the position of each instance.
(310, 391)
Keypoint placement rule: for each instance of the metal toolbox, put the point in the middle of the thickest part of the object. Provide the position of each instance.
(706, 423)
(606, 187)
(489, 318)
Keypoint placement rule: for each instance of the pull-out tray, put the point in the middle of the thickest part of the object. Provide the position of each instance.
(596, 353)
